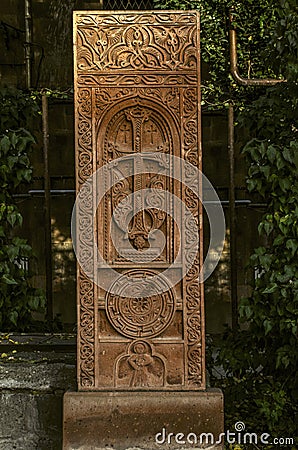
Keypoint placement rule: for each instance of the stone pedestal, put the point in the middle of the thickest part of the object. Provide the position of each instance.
(143, 420)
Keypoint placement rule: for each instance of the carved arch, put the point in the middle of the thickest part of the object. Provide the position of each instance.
(132, 116)
(161, 113)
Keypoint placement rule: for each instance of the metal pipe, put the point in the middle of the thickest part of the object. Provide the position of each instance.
(52, 191)
(47, 208)
(226, 202)
(232, 204)
(58, 192)
(232, 216)
(28, 40)
(234, 67)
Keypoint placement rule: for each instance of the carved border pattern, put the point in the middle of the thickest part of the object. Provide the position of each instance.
(86, 337)
(192, 290)
(124, 19)
(133, 79)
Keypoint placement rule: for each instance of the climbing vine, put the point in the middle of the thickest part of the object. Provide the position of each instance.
(18, 299)
(255, 28)
(260, 361)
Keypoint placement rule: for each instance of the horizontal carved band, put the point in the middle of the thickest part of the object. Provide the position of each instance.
(133, 80)
(164, 18)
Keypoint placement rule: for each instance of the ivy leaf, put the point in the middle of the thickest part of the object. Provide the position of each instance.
(266, 171)
(268, 326)
(14, 139)
(13, 317)
(34, 303)
(285, 184)
(5, 144)
(282, 358)
(262, 149)
(287, 155)
(271, 153)
(271, 289)
(24, 141)
(12, 252)
(11, 160)
(280, 162)
(266, 226)
(292, 245)
(8, 279)
(251, 184)
(14, 218)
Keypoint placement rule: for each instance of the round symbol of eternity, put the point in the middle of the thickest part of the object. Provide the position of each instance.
(135, 314)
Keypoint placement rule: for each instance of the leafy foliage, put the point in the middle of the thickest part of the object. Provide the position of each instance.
(255, 27)
(267, 351)
(17, 298)
(260, 359)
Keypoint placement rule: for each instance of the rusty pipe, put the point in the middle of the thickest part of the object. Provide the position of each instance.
(28, 41)
(234, 66)
(232, 203)
(47, 208)
(232, 218)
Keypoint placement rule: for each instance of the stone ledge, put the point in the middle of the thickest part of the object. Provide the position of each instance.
(43, 376)
(31, 388)
(131, 420)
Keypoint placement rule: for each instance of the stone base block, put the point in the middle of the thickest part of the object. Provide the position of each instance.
(143, 420)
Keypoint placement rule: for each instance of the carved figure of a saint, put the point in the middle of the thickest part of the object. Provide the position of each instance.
(139, 361)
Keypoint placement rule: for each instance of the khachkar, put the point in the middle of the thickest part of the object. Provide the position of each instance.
(139, 233)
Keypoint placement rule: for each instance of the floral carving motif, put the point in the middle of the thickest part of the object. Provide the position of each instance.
(137, 47)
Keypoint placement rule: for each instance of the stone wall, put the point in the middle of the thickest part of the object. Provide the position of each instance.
(32, 385)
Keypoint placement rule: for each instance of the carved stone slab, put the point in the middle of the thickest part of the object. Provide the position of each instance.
(137, 93)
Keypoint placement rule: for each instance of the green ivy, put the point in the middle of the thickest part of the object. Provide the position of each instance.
(269, 362)
(18, 299)
(255, 27)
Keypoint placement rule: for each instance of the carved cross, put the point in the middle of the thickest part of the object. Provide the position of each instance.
(125, 129)
(138, 234)
(151, 130)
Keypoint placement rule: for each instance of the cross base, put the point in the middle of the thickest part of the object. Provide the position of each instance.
(143, 420)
